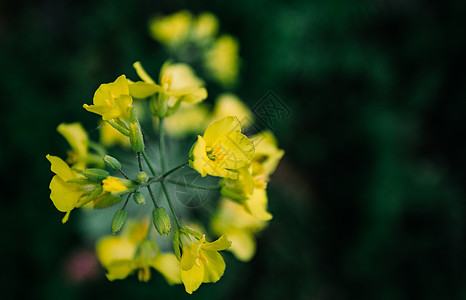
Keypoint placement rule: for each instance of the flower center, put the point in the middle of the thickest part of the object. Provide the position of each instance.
(217, 153)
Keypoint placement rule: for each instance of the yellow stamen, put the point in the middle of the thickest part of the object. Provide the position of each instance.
(197, 262)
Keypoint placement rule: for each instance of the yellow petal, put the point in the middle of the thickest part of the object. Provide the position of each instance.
(243, 245)
(193, 95)
(256, 205)
(119, 87)
(59, 167)
(141, 89)
(66, 217)
(168, 266)
(192, 278)
(142, 73)
(238, 148)
(190, 254)
(76, 136)
(110, 249)
(65, 196)
(120, 269)
(215, 266)
(266, 151)
(221, 243)
(199, 159)
(103, 96)
(221, 128)
(230, 105)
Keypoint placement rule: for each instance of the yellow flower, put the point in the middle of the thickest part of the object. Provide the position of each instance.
(222, 60)
(205, 27)
(264, 162)
(200, 260)
(112, 100)
(109, 136)
(178, 83)
(171, 30)
(249, 189)
(129, 252)
(230, 105)
(222, 150)
(66, 195)
(233, 221)
(267, 155)
(182, 27)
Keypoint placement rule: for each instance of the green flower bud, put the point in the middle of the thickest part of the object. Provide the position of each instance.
(112, 162)
(139, 198)
(95, 174)
(135, 137)
(119, 219)
(161, 220)
(142, 177)
(176, 244)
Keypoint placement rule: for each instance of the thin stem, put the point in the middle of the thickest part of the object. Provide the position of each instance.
(126, 202)
(170, 204)
(162, 146)
(138, 154)
(152, 196)
(148, 163)
(164, 175)
(123, 173)
(194, 186)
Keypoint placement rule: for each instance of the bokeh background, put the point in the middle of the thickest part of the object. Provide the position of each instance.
(369, 200)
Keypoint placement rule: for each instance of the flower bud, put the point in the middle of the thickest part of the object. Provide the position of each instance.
(161, 220)
(118, 186)
(139, 198)
(119, 219)
(95, 174)
(177, 244)
(142, 177)
(112, 162)
(135, 137)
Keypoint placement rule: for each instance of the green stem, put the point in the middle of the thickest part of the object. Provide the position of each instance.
(170, 204)
(164, 168)
(126, 202)
(164, 175)
(123, 173)
(162, 146)
(194, 186)
(152, 196)
(148, 163)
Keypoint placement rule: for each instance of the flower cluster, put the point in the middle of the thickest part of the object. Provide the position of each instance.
(194, 39)
(241, 165)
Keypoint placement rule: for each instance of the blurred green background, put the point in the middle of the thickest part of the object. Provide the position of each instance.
(369, 201)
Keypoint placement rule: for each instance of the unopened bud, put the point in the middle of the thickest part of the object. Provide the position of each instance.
(119, 219)
(135, 137)
(142, 177)
(161, 220)
(112, 162)
(139, 198)
(118, 186)
(176, 244)
(95, 174)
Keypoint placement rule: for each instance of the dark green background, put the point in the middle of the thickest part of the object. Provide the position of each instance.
(369, 201)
